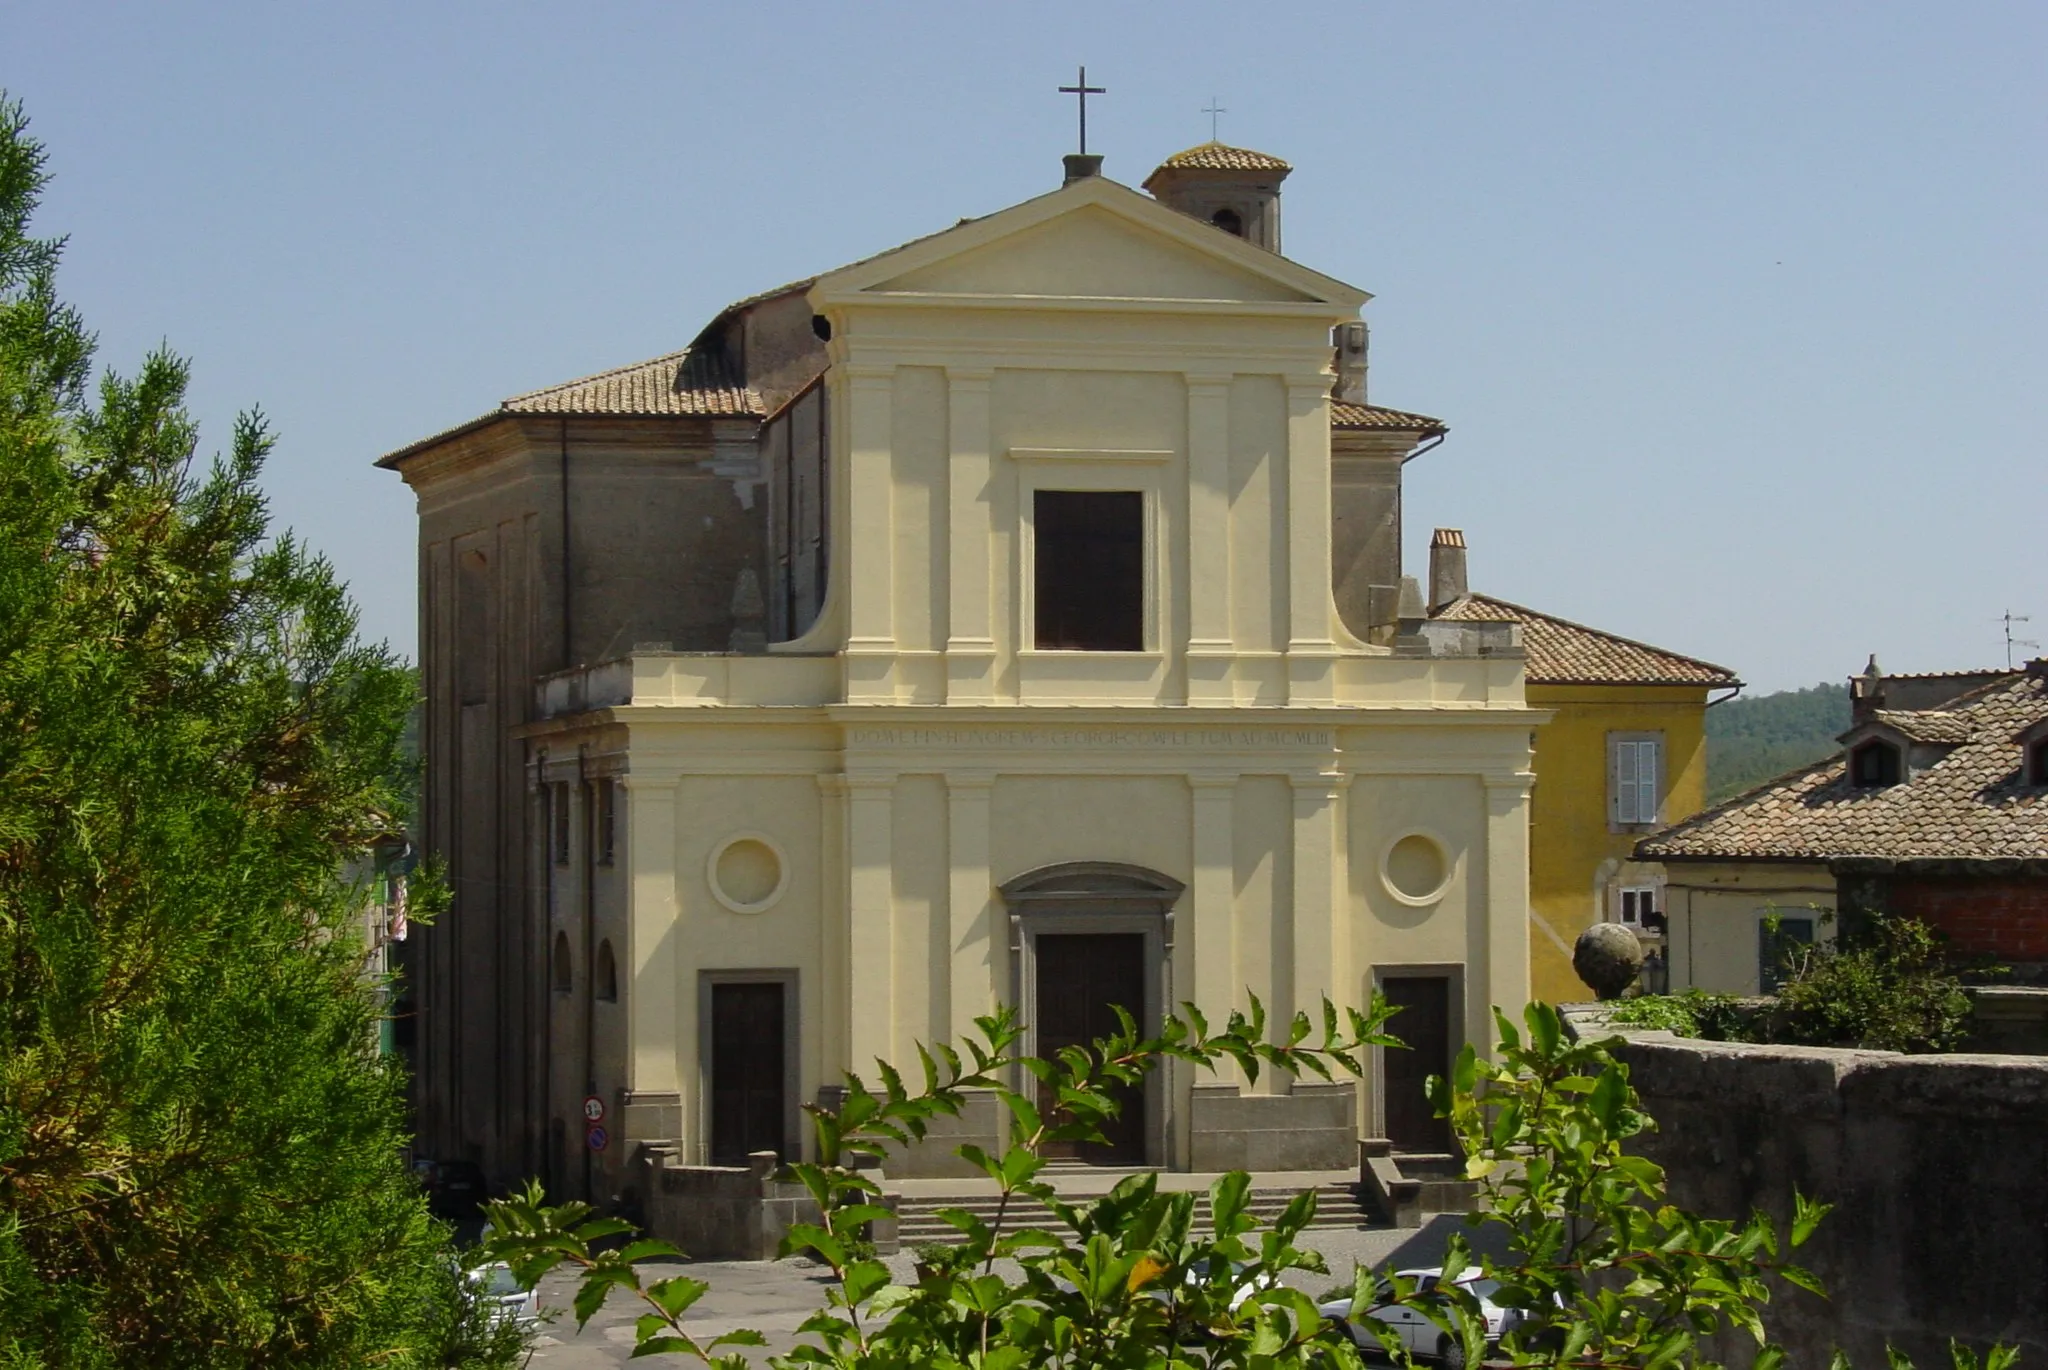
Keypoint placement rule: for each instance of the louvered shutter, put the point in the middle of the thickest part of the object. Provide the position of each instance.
(1646, 782)
(1624, 782)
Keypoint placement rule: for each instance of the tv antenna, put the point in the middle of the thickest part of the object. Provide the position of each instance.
(2008, 618)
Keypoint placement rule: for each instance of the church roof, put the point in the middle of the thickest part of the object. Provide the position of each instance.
(1213, 156)
(1347, 416)
(1565, 653)
(668, 384)
(672, 385)
(1972, 804)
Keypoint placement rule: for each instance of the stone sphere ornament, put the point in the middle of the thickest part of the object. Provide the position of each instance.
(1609, 958)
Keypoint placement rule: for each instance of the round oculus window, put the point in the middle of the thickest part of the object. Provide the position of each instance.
(1415, 869)
(747, 873)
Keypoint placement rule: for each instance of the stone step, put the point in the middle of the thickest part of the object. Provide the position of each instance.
(1337, 1207)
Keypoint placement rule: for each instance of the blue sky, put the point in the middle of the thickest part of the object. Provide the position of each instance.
(1736, 311)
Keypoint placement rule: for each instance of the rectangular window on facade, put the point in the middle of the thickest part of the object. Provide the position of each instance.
(1778, 949)
(1088, 579)
(1637, 907)
(607, 793)
(558, 805)
(1635, 766)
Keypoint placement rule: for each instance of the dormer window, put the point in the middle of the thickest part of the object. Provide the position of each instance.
(2037, 762)
(1873, 765)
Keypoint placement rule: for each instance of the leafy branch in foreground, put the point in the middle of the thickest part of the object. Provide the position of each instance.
(1604, 1273)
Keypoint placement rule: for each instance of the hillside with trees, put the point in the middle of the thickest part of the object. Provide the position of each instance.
(1751, 740)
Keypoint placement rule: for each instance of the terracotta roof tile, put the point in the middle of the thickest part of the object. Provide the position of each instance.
(1970, 805)
(1565, 653)
(1346, 416)
(670, 384)
(1214, 156)
(1928, 725)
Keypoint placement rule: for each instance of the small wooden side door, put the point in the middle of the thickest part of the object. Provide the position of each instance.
(748, 1108)
(1424, 1023)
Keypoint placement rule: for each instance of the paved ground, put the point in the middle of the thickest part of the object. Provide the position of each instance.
(775, 1297)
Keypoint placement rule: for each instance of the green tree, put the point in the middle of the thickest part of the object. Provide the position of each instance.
(200, 1152)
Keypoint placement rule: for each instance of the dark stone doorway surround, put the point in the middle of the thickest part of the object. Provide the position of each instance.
(1084, 935)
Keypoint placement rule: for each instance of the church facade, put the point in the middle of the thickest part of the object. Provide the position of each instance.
(1013, 617)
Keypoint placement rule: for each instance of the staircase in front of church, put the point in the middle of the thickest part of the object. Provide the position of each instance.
(1338, 1205)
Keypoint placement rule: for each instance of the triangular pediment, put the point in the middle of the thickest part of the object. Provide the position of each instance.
(1090, 240)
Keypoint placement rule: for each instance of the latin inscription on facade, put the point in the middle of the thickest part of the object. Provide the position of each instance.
(1083, 738)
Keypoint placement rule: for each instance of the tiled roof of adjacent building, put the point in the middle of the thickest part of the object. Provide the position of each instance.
(1565, 653)
(670, 384)
(1928, 725)
(1971, 804)
(1214, 156)
(1344, 415)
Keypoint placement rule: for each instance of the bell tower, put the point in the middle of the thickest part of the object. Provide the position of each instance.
(1234, 188)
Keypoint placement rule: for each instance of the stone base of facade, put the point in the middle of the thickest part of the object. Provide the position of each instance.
(1314, 1127)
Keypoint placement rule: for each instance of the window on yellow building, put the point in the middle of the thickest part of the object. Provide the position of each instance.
(1635, 771)
(1637, 907)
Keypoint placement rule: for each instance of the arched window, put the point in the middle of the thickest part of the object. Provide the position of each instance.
(1874, 765)
(563, 978)
(607, 973)
(1229, 220)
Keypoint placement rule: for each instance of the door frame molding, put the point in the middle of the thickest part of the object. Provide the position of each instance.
(1454, 1011)
(792, 1113)
(1098, 897)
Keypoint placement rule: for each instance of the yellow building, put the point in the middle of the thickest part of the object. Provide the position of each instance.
(1623, 756)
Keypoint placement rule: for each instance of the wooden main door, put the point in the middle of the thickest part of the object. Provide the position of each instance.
(1080, 975)
(748, 1108)
(1424, 1023)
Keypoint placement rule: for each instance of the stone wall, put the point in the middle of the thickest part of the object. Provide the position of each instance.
(1935, 1165)
(1311, 1128)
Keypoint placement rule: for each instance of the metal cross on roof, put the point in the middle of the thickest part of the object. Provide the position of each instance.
(1212, 109)
(1082, 91)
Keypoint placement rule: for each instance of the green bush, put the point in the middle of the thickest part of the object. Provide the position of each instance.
(1693, 1013)
(1887, 987)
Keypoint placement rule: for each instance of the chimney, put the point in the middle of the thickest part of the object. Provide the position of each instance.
(1446, 568)
(1350, 340)
(1866, 692)
(1082, 165)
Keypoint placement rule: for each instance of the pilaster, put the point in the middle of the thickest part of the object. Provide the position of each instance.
(1505, 973)
(869, 574)
(871, 922)
(834, 1028)
(1311, 651)
(1210, 646)
(1212, 979)
(975, 947)
(970, 638)
(1314, 896)
(655, 1032)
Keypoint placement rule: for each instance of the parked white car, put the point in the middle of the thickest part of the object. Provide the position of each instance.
(495, 1285)
(1417, 1332)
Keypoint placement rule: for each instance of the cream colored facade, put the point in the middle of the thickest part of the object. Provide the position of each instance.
(886, 814)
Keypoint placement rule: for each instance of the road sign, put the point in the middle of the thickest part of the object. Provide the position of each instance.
(593, 1109)
(598, 1138)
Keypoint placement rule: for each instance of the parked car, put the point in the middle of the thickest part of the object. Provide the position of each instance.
(1417, 1332)
(494, 1282)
